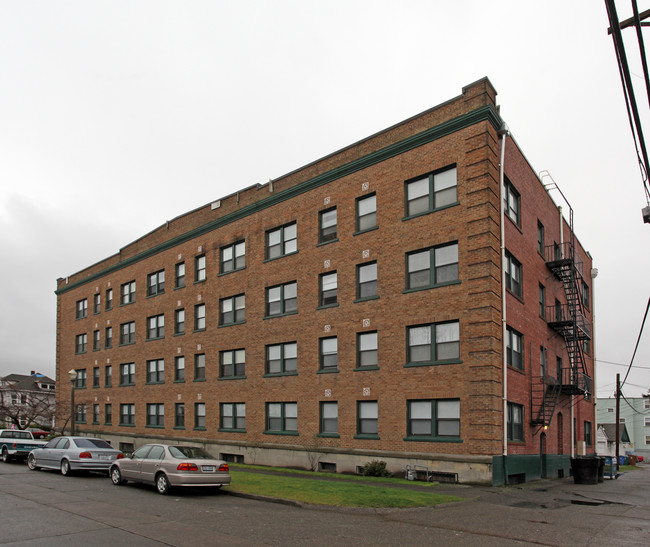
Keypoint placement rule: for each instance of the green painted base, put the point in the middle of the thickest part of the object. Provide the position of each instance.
(516, 469)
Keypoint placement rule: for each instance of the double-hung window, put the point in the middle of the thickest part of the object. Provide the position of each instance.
(367, 280)
(82, 308)
(109, 299)
(232, 363)
(327, 226)
(155, 415)
(108, 376)
(282, 358)
(328, 351)
(199, 415)
(81, 414)
(430, 192)
(433, 418)
(542, 301)
(367, 350)
(199, 268)
(542, 362)
(127, 333)
(96, 376)
(199, 317)
(233, 257)
(328, 289)
(232, 310)
(512, 202)
(156, 371)
(180, 275)
(156, 283)
(96, 340)
(281, 241)
(434, 343)
(329, 418)
(514, 348)
(282, 299)
(81, 342)
(127, 374)
(540, 238)
(515, 422)
(95, 414)
(179, 321)
(233, 416)
(80, 382)
(199, 366)
(589, 440)
(179, 368)
(108, 414)
(282, 418)
(156, 327)
(431, 267)
(127, 414)
(179, 415)
(97, 303)
(127, 294)
(367, 418)
(513, 275)
(366, 213)
(108, 337)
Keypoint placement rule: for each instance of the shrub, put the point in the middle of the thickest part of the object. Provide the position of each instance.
(376, 468)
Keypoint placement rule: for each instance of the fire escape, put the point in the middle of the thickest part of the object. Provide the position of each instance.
(569, 321)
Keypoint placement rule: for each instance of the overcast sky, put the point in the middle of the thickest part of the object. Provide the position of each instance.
(116, 116)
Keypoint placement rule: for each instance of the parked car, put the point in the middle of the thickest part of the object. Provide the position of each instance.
(74, 454)
(39, 433)
(17, 444)
(167, 466)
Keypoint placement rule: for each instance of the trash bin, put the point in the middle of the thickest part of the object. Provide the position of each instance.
(622, 460)
(632, 459)
(585, 469)
(601, 469)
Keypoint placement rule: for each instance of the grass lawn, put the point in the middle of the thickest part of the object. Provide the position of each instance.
(361, 493)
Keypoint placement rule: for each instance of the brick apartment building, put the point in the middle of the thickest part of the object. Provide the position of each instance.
(352, 309)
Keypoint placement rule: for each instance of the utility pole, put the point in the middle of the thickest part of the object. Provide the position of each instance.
(618, 415)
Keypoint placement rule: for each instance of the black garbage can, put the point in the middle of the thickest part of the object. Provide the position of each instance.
(601, 469)
(585, 469)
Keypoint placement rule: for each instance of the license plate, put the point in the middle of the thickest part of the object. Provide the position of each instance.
(207, 468)
(104, 457)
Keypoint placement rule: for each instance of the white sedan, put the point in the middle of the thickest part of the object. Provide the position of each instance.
(70, 454)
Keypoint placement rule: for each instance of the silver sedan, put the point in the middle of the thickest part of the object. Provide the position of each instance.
(168, 466)
(70, 454)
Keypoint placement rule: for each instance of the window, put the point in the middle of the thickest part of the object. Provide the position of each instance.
(199, 268)
(511, 201)
(588, 436)
(109, 299)
(327, 226)
(646, 403)
(179, 368)
(432, 266)
(367, 350)
(558, 369)
(281, 417)
(156, 327)
(367, 418)
(108, 337)
(95, 414)
(156, 371)
(108, 414)
(179, 321)
(610, 410)
(621, 420)
(542, 362)
(428, 419)
(585, 295)
(127, 374)
(199, 366)
(127, 414)
(232, 310)
(233, 257)
(431, 192)
(328, 290)
(81, 341)
(513, 275)
(433, 343)
(95, 376)
(542, 301)
(179, 415)
(156, 283)
(647, 439)
(80, 415)
(128, 293)
(366, 213)
(155, 415)
(127, 333)
(540, 238)
(515, 422)
(180, 275)
(80, 382)
(646, 421)
(514, 348)
(199, 415)
(232, 363)
(199, 317)
(96, 341)
(282, 241)
(108, 375)
(282, 358)
(329, 418)
(586, 346)
(82, 308)
(97, 303)
(233, 416)
(367, 280)
(328, 351)
(282, 299)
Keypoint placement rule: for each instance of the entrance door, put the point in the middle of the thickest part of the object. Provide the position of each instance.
(542, 455)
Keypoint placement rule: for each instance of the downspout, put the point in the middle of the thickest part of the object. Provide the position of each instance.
(504, 349)
(594, 274)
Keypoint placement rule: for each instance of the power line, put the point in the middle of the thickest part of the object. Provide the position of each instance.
(637, 342)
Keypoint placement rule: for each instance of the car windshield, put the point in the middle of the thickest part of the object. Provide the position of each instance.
(195, 452)
(91, 443)
(22, 435)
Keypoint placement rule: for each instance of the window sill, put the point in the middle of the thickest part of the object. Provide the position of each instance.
(197, 281)
(231, 378)
(231, 271)
(79, 352)
(424, 213)
(359, 232)
(367, 298)
(154, 339)
(153, 383)
(97, 349)
(108, 423)
(514, 222)
(516, 441)
(367, 436)
(515, 295)
(291, 433)
(280, 315)
(323, 243)
(95, 423)
(198, 380)
(179, 381)
(327, 371)
(223, 325)
(179, 287)
(127, 385)
(515, 369)
(198, 330)
(96, 387)
(154, 295)
(328, 306)
(109, 309)
(154, 426)
(127, 425)
(179, 427)
(126, 303)
(370, 367)
(222, 430)
(179, 333)
(200, 428)
(126, 344)
(434, 363)
(108, 385)
(275, 374)
(434, 439)
(279, 257)
(329, 435)
(434, 286)
(109, 347)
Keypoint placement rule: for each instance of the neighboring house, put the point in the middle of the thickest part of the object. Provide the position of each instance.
(635, 414)
(416, 297)
(606, 440)
(27, 400)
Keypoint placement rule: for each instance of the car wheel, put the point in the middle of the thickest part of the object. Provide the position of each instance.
(116, 476)
(65, 468)
(31, 463)
(5, 455)
(162, 484)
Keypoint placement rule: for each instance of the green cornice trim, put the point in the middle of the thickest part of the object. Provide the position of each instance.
(485, 113)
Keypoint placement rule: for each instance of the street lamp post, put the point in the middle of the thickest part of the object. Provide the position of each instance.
(73, 378)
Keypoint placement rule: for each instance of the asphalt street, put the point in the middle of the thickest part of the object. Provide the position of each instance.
(43, 508)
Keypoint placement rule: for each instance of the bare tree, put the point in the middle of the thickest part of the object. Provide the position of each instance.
(23, 408)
